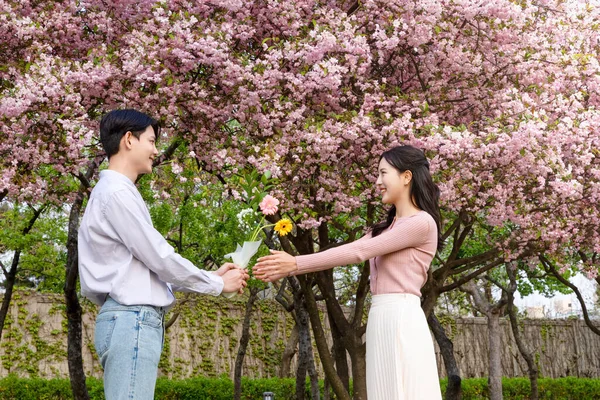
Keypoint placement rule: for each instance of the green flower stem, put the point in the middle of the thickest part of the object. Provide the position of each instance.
(260, 228)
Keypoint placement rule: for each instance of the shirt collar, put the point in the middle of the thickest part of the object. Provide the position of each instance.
(114, 175)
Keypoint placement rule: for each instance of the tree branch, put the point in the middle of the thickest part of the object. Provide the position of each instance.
(453, 227)
(550, 267)
(480, 302)
(282, 298)
(361, 295)
(3, 268)
(469, 262)
(467, 278)
(82, 179)
(168, 153)
(36, 214)
(459, 238)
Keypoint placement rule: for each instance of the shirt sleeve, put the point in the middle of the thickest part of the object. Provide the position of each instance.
(127, 217)
(412, 232)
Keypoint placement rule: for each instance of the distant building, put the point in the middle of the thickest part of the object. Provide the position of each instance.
(535, 311)
(563, 307)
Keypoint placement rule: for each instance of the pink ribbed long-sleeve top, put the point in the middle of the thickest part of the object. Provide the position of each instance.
(399, 257)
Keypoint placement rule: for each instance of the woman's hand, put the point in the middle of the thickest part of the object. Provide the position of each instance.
(274, 267)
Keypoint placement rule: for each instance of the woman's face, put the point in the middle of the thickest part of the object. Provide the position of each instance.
(392, 184)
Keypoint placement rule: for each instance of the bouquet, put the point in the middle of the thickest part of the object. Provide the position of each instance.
(242, 254)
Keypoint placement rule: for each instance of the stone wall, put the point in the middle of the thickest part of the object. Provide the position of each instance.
(203, 341)
(563, 347)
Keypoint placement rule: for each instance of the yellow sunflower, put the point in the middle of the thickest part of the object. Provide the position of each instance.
(283, 227)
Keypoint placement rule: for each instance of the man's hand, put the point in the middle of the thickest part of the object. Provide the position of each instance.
(234, 279)
(226, 267)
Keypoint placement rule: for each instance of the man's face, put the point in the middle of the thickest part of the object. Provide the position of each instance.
(143, 151)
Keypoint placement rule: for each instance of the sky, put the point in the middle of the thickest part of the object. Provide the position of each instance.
(561, 305)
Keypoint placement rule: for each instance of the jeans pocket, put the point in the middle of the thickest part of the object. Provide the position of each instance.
(105, 325)
(151, 318)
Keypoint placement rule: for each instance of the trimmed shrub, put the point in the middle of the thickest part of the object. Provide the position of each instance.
(202, 388)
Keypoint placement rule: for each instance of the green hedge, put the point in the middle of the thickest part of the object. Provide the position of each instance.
(12, 387)
(519, 388)
(222, 389)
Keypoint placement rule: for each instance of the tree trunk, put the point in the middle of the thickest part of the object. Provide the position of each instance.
(303, 350)
(532, 368)
(319, 335)
(495, 354)
(239, 359)
(288, 353)
(9, 283)
(492, 312)
(74, 323)
(326, 389)
(301, 336)
(339, 334)
(348, 333)
(306, 359)
(527, 354)
(453, 390)
(429, 295)
(74, 342)
(359, 368)
(339, 354)
(315, 392)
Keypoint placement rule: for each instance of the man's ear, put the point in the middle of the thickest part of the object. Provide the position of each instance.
(126, 140)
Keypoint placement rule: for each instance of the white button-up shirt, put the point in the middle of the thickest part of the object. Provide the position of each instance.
(122, 255)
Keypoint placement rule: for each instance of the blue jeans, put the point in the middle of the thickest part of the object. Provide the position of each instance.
(129, 340)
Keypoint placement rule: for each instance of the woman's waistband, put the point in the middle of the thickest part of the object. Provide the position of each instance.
(395, 298)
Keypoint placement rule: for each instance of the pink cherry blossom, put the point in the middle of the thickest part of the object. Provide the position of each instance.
(504, 97)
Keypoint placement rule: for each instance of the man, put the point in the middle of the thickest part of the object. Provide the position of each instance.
(127, 266)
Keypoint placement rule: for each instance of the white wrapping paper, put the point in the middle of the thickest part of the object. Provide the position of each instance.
(241, 257)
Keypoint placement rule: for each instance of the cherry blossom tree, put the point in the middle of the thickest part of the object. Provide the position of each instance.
(502, 96)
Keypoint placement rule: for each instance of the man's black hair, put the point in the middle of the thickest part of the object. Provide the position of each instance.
(117, 123)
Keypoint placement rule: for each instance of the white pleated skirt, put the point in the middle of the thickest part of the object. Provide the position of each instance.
(400, 357)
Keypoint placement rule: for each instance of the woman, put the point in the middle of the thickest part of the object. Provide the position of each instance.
(400, 357)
